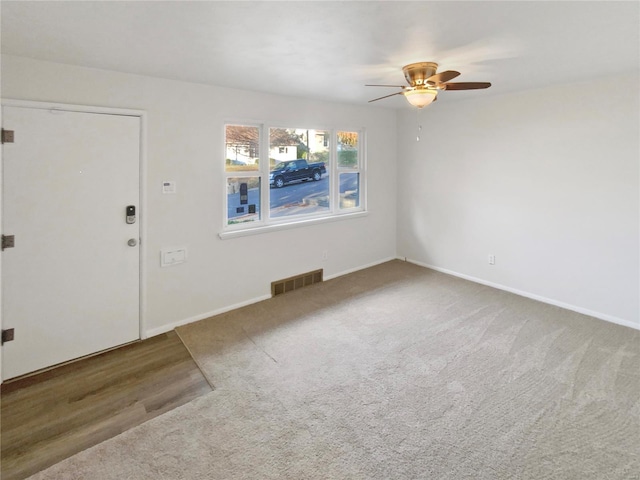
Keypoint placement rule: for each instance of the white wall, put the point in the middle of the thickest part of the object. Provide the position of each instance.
(546, 180)
(185, 143)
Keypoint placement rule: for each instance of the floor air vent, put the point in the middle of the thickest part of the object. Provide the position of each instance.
(294, 283)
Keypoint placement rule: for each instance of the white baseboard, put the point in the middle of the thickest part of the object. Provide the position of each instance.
(170, 326)
(351, 270)
(602, 316)
(533, 296)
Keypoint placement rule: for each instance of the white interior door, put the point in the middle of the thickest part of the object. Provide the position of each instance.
(71, 284)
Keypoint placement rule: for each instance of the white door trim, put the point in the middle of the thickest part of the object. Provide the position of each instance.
(142, 115)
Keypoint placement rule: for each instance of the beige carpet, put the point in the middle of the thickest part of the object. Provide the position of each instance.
(394, 372)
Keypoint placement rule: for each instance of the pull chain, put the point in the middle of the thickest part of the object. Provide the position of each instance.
(418, 123)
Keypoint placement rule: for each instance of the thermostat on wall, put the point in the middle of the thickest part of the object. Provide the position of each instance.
(169, 186)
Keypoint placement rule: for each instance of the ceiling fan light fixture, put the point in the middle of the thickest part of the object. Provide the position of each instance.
(425, 83)
(420, 97)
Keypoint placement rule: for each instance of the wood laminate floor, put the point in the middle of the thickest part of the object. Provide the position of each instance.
(50, 416)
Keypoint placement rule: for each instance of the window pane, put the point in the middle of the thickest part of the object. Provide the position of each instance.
(347, 149)
(243, 148)
(299, 171)
(243, 200)
(349, 190)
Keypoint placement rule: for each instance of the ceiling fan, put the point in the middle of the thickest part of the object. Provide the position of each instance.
(425, 83)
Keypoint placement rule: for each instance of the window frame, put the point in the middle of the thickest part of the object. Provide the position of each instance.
(265, 222)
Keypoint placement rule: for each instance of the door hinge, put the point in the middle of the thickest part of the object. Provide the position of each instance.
(8, 241)
(7, 136)
(7, 335)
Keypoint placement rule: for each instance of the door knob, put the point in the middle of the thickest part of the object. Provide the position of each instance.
(132, 242)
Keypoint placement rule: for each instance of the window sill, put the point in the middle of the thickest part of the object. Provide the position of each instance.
(285, 226)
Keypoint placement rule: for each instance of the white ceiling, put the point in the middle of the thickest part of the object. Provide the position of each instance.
(329, 50)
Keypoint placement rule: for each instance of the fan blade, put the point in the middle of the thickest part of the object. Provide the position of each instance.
(386, 96)
(396, 86)
(442, 77)
(465, 85)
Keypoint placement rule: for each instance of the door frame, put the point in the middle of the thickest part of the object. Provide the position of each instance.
(142, 208)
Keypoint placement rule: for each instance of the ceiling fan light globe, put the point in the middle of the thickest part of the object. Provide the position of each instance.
(420, 97)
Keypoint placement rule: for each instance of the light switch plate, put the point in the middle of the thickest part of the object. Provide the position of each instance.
(173, 256)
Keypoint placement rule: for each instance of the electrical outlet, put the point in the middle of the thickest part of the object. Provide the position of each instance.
(325, 254)
(492, 259)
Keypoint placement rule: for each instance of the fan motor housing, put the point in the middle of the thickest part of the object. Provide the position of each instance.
(417, 73)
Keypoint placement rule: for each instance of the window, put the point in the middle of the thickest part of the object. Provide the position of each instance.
(241, 167)
(304, 174)
(301, 186)
(349, 169)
